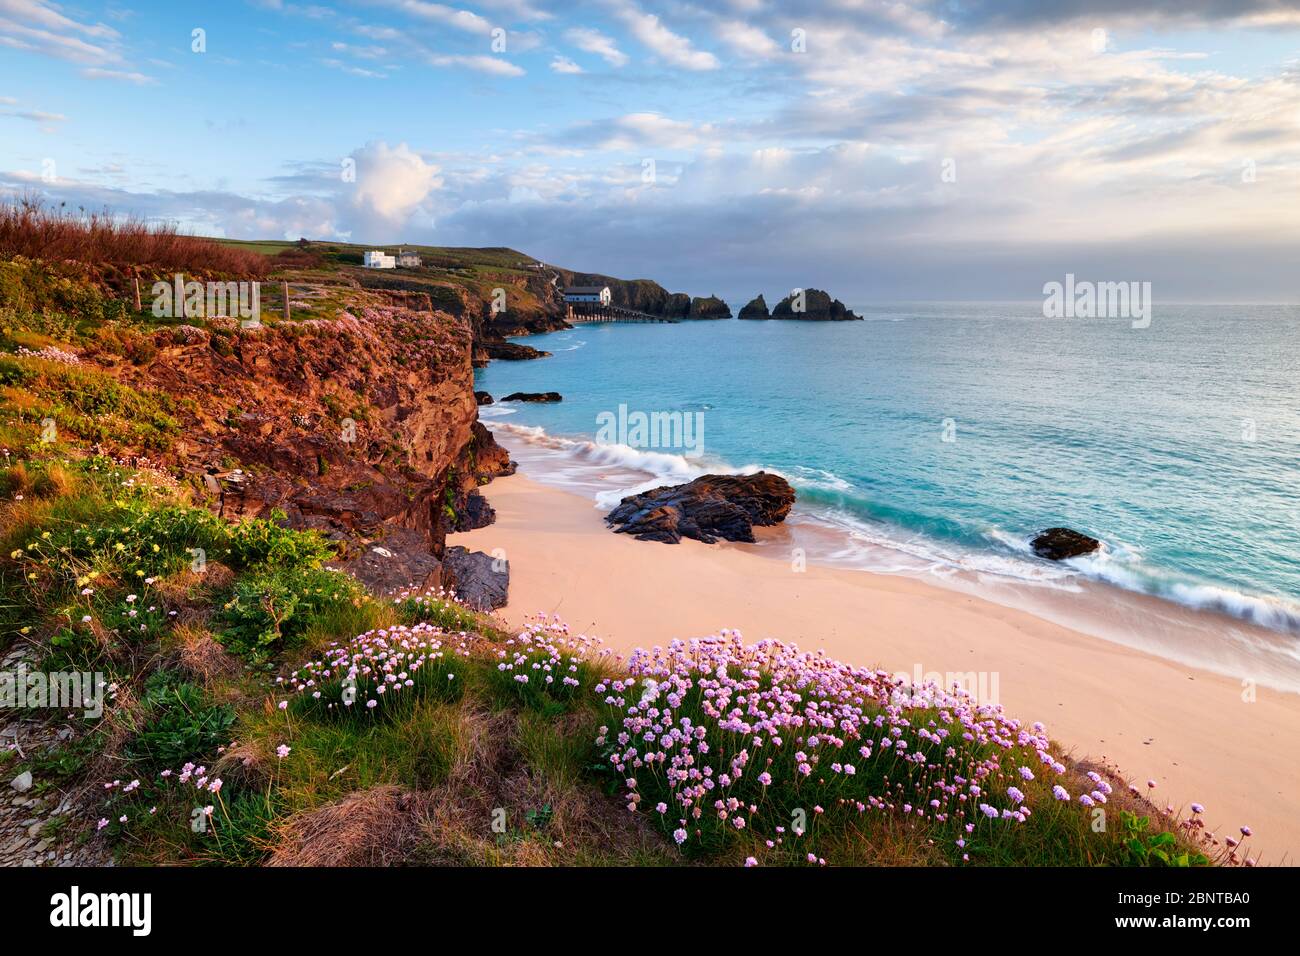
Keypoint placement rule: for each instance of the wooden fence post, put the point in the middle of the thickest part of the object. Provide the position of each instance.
(135, 281)
(285, 286)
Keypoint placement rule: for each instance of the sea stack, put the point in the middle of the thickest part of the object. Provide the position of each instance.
(756, 309)
(813, 305)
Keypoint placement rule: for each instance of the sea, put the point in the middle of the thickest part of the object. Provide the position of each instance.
(935, 440)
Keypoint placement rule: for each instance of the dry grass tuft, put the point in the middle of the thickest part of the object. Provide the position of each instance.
(190, 594)
(376, 827)
(199, 653)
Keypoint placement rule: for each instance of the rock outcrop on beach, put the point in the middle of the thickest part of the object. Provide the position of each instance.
(477, 579)
(533, 397)
(483, 398)
(706, 509)
(816, 306)
(755, 309)
(1057, 544)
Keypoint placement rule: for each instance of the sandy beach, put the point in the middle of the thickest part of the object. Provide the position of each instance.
(1189, 730)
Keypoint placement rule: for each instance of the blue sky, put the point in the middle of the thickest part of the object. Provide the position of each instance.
(883, 150)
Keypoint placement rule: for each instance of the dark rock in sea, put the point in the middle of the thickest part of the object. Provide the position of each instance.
(513, 351)
(533, 397)
(756, 309)
(818, 306)
(483, 398)
(1057, 544)
(706, 509)
(474, 578)
(710, 307)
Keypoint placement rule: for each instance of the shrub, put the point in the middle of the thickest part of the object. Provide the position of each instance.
(272, 609)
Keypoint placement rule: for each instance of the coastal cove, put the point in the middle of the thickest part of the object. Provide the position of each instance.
(934, 441)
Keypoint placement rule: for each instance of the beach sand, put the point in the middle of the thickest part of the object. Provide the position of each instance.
(1189, 730)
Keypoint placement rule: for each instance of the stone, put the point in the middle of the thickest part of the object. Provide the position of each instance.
(1058, 544)
(706, 509)
(23, 782)
(477, 579)
(513, 351)
(533, 397)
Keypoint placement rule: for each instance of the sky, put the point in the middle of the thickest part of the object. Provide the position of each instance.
(883, 150)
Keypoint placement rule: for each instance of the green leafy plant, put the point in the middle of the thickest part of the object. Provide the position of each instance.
(178, 722)
(1157, 849)
(273, 609)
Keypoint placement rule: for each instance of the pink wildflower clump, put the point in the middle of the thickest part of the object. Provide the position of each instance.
(374, 671)
(545, 663)
(767, 740)
(50, 353)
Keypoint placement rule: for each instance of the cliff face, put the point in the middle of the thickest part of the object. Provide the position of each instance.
(526, 305)
(363, 427)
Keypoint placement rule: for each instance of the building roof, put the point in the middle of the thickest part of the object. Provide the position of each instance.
(585, 289)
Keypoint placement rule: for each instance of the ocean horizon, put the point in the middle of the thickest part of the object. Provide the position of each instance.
(936, 439)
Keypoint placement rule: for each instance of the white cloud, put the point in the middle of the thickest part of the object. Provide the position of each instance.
(746, 39)
(593, 41)
(480, 64)
(562, 64)
(126, 76)
(672, 48)
(391, 183)
(639, 131)
(39, 27)
(465, 20)
(358, 71)
(35, 116)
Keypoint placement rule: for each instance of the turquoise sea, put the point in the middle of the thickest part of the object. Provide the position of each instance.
(936, 439)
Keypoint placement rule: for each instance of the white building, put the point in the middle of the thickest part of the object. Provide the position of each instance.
(377, 260)
(588, 293)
